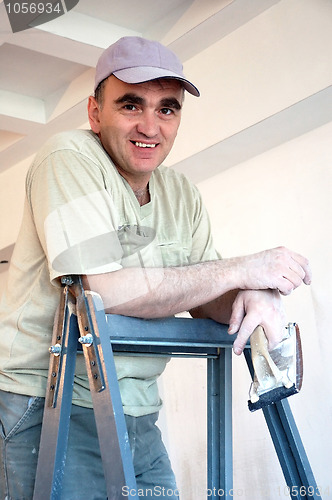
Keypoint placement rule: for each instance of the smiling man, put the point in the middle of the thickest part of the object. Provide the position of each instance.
(137, 126)
(99, 203)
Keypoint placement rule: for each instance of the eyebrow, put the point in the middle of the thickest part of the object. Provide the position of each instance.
(167, 102)
(129, 97)
(170, 102)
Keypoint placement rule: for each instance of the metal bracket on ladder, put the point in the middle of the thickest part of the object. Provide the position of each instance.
(169, 337)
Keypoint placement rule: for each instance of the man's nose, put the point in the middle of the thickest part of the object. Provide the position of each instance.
(148, 124)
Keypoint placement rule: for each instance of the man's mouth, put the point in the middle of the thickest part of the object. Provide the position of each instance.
(143, 144)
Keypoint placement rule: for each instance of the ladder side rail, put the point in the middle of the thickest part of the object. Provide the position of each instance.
(213, 420)
(288, 445)
(106, 399)
(219, 432)
(58, 401)
(307, 487)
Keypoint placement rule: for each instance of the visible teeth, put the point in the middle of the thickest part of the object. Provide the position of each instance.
(144, 145)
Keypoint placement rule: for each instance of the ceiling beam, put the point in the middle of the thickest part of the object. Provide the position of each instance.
(86, 29)
(75, 117)
(193, 35)
(22, 107)
(296, 120)
(70, 95)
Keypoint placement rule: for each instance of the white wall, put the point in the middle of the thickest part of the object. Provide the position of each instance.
(12, 183)
(276, 60)
(280, 197)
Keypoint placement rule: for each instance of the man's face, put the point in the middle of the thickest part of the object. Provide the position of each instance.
(137, 124)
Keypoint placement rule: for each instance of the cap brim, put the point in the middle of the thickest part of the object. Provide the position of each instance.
(143, 74)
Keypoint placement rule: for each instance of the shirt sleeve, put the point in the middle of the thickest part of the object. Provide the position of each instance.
(75, 216)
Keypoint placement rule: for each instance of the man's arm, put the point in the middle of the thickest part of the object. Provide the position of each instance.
(160, 292)
(207, 289)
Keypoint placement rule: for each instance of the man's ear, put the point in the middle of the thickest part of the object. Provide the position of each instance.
(93, 113)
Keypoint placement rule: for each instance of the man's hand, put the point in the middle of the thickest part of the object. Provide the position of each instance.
(278, 269)
(257, 307)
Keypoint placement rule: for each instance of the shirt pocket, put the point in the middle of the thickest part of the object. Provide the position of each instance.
(174, 254)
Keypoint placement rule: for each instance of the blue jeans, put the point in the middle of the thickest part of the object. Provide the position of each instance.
(20, 427)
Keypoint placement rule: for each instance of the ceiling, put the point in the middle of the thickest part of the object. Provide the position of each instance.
(47, 72)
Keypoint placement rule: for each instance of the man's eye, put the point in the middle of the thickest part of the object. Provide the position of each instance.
(130, 107)
(166, 111)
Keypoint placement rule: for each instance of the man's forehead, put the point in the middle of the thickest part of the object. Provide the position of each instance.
(167, 85)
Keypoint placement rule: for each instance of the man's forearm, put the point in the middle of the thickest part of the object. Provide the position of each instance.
(159, 292)
(154, 292)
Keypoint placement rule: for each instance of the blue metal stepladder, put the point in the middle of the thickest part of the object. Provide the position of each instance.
(81, 316)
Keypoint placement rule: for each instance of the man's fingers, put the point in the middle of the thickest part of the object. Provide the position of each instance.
(308, 273)
(291, 280)
(300, 265)
(296, 270)
(238, 313)
(287, 283)
(247, 327)
(257, 307)
(272, 333)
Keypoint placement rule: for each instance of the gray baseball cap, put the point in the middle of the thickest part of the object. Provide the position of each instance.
(134, 59)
